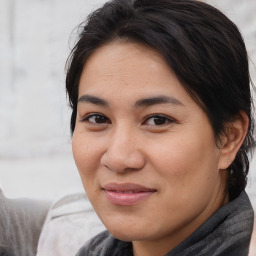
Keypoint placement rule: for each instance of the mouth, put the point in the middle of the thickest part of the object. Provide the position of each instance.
(126, 194)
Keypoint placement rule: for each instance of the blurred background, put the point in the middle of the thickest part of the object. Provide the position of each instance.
(35, 144)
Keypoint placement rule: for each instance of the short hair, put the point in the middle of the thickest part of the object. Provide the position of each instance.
(199, 43)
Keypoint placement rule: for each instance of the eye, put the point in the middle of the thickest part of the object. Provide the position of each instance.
(157, 120)
(96, 119)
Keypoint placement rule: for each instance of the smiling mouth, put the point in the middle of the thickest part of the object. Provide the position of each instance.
(126, 194)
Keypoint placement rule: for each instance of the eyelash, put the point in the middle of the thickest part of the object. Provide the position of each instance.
(87, 117)
(166, 119)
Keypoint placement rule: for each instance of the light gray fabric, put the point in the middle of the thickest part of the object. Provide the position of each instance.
(21, 222)
(226, 233)
(71, 222)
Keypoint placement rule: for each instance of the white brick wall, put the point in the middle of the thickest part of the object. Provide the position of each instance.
(35, 148)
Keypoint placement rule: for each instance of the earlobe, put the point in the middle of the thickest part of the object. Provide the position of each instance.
(235, 135)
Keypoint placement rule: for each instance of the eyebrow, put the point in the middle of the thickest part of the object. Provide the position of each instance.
(157, 100)
(92, 99)
(140, 103)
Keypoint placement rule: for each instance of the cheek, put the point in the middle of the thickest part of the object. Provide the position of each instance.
(86, 154)
(189, 175)
(186, 161)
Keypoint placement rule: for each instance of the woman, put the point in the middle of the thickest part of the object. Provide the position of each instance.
(162, 124)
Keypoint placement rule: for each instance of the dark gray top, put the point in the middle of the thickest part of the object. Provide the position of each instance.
(226, 233)
(21, 222)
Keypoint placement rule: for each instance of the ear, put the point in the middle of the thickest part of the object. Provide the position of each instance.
(233, 140)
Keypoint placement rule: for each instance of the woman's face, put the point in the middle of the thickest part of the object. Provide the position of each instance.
(144, 149)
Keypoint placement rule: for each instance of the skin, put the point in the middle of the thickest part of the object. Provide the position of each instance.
(119, 141)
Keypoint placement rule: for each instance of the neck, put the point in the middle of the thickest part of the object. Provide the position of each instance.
(152, 248)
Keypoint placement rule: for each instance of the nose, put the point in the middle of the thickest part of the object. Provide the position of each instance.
(123, 151)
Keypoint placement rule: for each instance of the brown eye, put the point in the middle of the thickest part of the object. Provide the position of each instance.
(158, 120)
(96, 119)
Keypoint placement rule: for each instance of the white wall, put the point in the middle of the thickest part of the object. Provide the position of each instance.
(35, 145)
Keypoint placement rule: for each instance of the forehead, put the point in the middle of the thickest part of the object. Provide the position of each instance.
(124, 60)
(122, 50)
(130, 68)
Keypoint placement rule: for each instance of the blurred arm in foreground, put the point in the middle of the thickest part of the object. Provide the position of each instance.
(21, 221)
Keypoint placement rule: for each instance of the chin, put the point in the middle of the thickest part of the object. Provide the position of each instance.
(127, 233)
(125, 236)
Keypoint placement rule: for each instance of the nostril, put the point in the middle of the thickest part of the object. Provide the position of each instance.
(122, 163)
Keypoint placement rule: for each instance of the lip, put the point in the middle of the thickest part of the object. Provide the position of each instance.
(126, 194)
